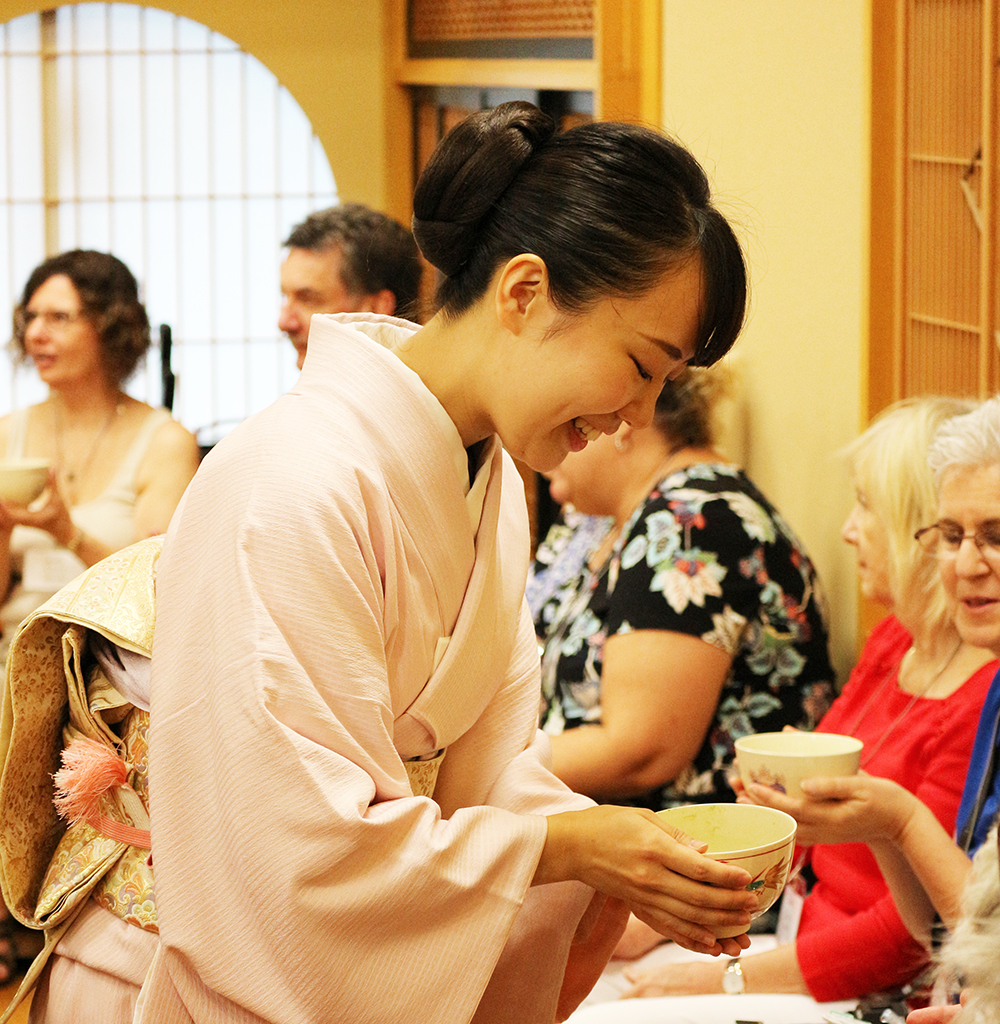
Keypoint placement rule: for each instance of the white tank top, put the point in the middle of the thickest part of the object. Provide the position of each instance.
(107, 518)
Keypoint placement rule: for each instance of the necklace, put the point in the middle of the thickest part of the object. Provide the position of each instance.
(602, 556)
(872, 751)
(72, 475)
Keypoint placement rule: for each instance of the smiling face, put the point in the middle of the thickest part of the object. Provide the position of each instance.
(866, 531)
(970, 498)
(59, 338)
(567, 381)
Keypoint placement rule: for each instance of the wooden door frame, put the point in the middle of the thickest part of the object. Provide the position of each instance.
(625, 76)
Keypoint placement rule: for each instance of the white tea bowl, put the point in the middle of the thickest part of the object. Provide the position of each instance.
(23, 480)
(782, 760)
(758, 839)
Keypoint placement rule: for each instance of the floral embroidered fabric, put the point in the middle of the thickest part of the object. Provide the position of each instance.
(127, 889)
(707, 555)
(423, 774)
(53, 693)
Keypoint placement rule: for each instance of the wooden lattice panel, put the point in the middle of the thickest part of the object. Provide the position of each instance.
(454, 20)
(948, 329)
(943, 244)
(941, 360)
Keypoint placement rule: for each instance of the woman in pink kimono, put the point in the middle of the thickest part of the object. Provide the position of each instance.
(352, 813)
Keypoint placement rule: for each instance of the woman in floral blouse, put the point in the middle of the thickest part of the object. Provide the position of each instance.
(696, 621)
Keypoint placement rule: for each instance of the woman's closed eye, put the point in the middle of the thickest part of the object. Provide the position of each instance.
(643, 372)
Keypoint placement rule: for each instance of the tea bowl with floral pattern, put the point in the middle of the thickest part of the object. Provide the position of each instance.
(758, 839)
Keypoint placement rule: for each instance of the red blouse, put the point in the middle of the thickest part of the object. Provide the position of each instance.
(851, 939)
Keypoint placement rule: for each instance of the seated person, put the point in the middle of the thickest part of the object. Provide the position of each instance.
(925, 867)
(567, 545)
(912, 698)
(119, 466)
(346, 259)
(697, 620)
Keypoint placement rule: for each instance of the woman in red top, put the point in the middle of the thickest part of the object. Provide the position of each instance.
(913, 698)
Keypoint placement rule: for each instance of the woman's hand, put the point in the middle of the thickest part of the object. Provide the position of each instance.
(776, 970)
(52, 516)
(853, 809)
(631, 854)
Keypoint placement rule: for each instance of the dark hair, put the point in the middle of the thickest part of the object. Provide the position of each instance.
(378, 252)
(109, 296)
(609, 207)
(683, 412)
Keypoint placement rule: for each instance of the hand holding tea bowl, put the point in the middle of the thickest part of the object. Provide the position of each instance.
(758, 839)
(23, 480)
(857, 808)
(814, 777)
(782, 760)
(659, 872)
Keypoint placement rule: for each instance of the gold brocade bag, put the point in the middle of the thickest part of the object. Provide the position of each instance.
(124, 878)
(53, 694)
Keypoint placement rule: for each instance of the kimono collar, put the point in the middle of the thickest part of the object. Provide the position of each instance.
(395, 334)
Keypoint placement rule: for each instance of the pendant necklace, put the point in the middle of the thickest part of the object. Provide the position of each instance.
(72, 475)
(871, 752)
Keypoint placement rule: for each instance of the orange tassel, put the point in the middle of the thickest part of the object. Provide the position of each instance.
(89, 770)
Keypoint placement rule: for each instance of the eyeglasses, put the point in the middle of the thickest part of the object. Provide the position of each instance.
(57, 320)
(945, 538)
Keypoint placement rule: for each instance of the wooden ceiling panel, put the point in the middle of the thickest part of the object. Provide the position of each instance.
(454, 20)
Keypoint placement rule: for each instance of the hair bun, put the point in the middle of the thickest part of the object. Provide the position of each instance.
(467, 174)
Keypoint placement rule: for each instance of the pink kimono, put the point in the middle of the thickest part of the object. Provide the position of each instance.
(334, 600)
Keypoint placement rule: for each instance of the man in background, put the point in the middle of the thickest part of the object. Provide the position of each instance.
(347, 259)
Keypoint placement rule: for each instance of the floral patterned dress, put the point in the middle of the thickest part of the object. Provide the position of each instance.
(707, 555)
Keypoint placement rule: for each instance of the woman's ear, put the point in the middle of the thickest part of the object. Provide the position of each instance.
(522, 294)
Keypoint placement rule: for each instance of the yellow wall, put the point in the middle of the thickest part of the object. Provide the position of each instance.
(328, 53)
(774, 98)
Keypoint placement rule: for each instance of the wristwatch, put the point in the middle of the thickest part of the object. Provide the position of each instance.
(733, 982)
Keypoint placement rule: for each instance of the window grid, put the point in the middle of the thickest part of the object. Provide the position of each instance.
(161, 141)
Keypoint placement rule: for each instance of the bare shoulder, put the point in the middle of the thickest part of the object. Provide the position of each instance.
(173, 450)
(6, 422)
(172, 438)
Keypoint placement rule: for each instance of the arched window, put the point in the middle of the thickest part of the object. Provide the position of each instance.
(138, 132)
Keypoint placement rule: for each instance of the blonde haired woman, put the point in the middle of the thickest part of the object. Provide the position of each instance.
(927, 868)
